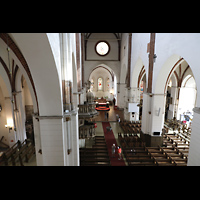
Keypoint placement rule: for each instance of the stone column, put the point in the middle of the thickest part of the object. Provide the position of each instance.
(121, 95)
(72, 138)
(133, 96)
(51, 135)
(38, 144)
(66, 70)
(75, 138)
(194, 155)
(153, 118)
(67, 106)
(20, 117)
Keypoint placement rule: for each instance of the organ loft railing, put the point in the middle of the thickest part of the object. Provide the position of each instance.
(87, 108)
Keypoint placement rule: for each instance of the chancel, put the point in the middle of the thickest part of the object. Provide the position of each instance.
(99, 99)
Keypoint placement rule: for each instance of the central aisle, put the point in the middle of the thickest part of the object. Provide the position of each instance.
(110, 140)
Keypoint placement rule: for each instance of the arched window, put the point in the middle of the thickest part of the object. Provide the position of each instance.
(108, 84)
(92, 85)
(100, 84)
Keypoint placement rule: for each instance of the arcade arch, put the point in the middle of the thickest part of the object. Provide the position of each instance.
(109, 82)
(181, 93)
(31, 57)
(6, 109)
(174, 70)
(187, 99)
(44, 63)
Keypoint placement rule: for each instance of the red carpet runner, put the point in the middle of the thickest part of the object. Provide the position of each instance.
(110, 140)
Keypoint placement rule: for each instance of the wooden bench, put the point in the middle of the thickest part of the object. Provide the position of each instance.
(168, 149)
(180, 163)
(28, 153)
(18, 153)
(135, 158)
(95, 156)
(95, 159)
(95, 163)
(94, 150)
(7, 155)
(135, 151)
(158, 155)
(165, 162)
(100, 141)
(142, 162)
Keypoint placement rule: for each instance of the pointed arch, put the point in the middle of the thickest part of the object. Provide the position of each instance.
(37, 52)
(137, 73)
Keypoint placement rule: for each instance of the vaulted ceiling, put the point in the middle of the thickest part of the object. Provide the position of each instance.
(117, 35)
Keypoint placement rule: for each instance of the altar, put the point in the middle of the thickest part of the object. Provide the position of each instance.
(102, 105)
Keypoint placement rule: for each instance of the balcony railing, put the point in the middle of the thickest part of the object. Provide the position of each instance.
(87, 109)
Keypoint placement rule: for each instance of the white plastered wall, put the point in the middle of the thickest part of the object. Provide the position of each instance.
(44, 68)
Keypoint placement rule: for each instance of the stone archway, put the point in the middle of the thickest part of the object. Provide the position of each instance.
(109, 82)
(158, 97)
(37, 51)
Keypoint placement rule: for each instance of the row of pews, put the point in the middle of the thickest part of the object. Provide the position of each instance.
(154, 156)
(97, 155)
(175, 140)
(130, 127)
(174, 151)
(19, 153)
(130, 140)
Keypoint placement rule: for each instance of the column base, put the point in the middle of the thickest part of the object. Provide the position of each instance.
(151, 141)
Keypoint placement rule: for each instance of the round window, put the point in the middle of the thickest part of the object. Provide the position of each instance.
(102, 48)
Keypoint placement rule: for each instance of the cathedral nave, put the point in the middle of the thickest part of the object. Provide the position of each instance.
(66, 98)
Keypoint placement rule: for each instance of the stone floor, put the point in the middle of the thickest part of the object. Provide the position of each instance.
(111, 115)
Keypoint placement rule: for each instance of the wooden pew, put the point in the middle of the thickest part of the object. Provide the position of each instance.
(7, 156)
(28, 153)
(141, 162)
(98, 150)
(180, 162)
(95, 163)
(19, 153)
(169, 149)
(95, 159)
(99, 146)
(165, 162)
(137, 156)
(95, 156)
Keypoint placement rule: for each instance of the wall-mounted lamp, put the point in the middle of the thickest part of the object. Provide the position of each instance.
(154, 58)
(8, 126)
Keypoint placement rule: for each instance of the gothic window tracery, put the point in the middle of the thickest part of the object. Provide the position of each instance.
(100, 84)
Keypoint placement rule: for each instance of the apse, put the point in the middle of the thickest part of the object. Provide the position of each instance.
(102, 83)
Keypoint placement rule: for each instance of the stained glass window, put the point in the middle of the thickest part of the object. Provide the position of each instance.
(92, 85)
(102, 48)
(100, 84)
(108, 84)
